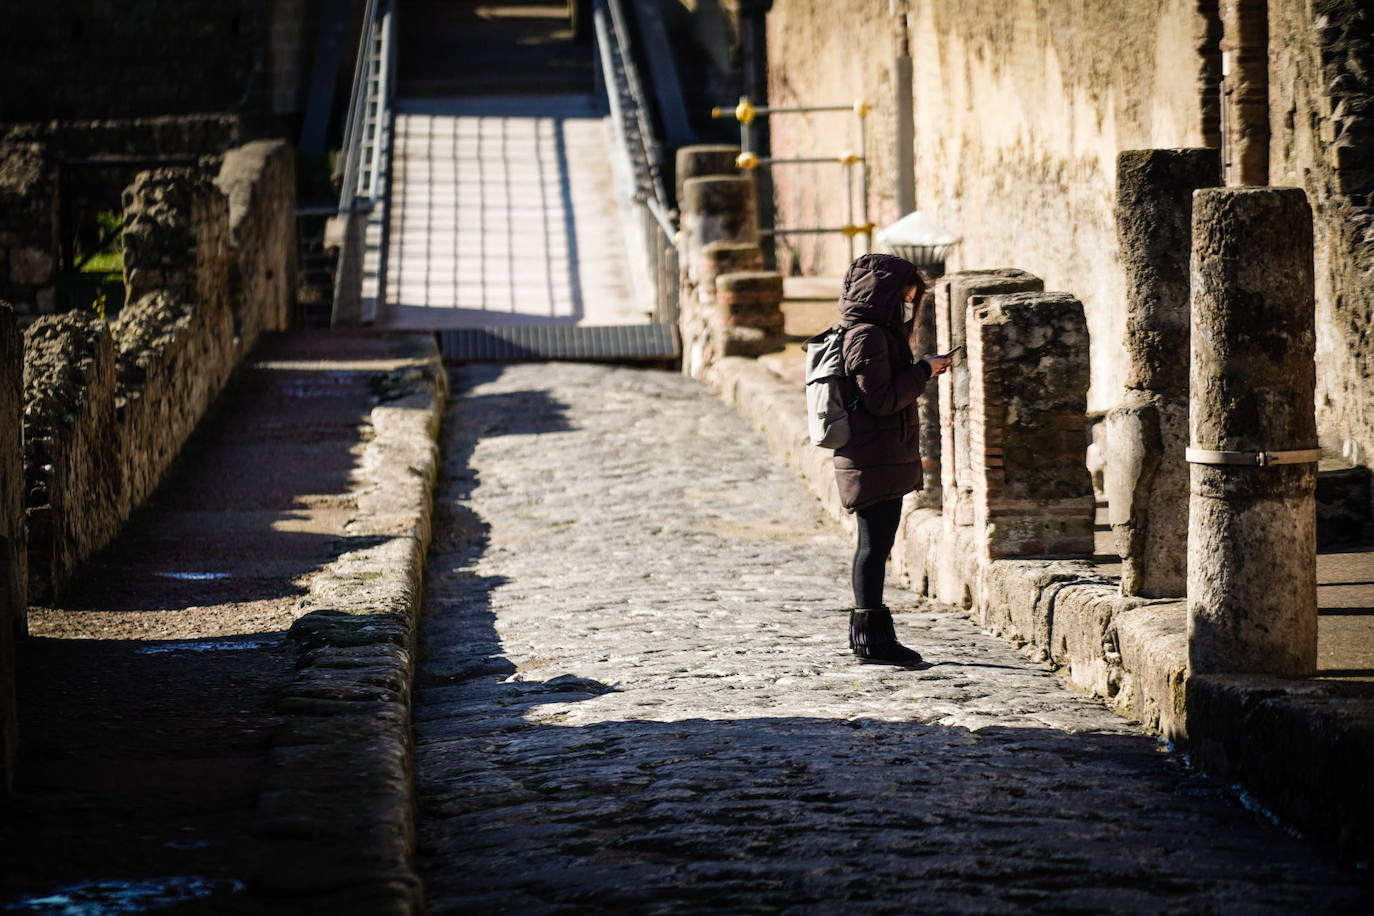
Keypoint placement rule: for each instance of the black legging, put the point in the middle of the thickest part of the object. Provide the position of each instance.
(877, 531)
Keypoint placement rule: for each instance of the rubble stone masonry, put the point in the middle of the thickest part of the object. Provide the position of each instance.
(208, 267)
(1321, 112)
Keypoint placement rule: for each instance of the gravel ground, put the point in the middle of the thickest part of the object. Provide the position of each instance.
(635, 696)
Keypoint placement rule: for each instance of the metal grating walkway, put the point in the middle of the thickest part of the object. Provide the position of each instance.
(640, 342)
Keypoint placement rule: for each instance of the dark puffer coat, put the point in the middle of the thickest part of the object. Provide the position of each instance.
(882, 459)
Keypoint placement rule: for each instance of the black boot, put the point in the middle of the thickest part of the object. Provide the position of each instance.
(874, 641)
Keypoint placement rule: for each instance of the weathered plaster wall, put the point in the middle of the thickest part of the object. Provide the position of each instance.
(1322, 140)
(1021, 109)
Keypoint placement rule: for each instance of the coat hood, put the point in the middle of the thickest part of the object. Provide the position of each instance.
(873, 290)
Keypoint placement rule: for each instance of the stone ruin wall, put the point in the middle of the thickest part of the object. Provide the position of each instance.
(1021, 109)
(1322, 140)
(31, 157)
(109, 406)
(13, 569)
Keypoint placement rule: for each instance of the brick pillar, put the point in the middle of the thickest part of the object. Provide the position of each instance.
(953, 293)
(1028, 438)
(705, 159)
(13, 570)
(717, 209)
(719, 258)
(928, 408)
(748, 314)
(1252, 575)
(1146, 475)
(714, 209)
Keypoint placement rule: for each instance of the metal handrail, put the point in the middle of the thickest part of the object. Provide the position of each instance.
(640, 154)
(376, 46)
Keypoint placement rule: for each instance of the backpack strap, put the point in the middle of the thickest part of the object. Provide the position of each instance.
(856, 402)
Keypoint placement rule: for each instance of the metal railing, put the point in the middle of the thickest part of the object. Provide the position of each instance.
(363, 159)
(638, 164)
(856, 221)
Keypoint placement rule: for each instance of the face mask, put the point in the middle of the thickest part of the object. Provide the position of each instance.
(908, 311)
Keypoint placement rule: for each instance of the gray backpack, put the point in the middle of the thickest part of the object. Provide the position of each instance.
(827, 413)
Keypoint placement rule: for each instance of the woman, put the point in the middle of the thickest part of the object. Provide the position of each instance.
(881, 463)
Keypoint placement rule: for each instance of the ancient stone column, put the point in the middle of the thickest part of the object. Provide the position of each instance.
(705, 159)
(13, 573)
(953, 294)
(1146, 475)
(1252, 596)
(1028, 431)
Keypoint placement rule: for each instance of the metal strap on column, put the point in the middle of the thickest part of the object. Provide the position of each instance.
(1255, 459)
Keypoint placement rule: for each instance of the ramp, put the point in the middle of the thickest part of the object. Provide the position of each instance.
(538, 343)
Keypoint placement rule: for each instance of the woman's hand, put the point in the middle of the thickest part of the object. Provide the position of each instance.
(938, 364)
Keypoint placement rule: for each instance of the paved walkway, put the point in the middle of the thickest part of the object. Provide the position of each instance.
(635, 697)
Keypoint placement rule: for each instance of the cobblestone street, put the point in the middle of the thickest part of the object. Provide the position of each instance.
(635, 696)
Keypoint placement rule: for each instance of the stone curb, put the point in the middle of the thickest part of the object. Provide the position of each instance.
(1303, 747)
(335, 818)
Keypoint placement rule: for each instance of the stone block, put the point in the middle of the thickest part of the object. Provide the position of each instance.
(1146, 482)
(705, 159)
(1016, 600)
(1028, 363)
(1079, 619)
(747, 341)
(1151, 641)
(1301, 747)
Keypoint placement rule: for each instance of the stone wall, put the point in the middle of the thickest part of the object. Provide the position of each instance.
(71, 472)
(13, 575)
(259, 180)
(108, 407)
(28, 226)
(1321, 105)
(33, 161)
(166, 135)
(1021, 109)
